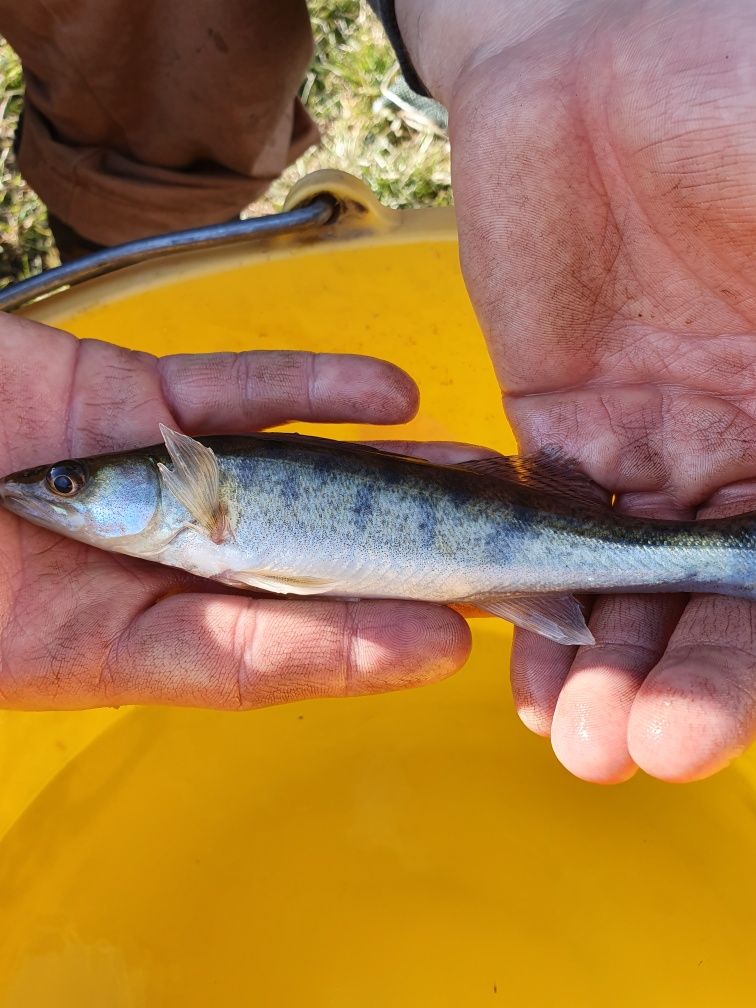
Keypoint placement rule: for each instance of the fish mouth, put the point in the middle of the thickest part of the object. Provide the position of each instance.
(47, 514)
(13, 501)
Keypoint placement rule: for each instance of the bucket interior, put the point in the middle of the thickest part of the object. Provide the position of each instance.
(419, 848)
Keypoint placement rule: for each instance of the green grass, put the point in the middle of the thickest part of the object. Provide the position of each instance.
(402, 166)
(26, 244)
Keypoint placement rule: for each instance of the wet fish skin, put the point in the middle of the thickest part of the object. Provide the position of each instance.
(309, 516)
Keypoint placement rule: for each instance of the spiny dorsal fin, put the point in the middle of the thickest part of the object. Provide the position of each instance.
(195, 482)
(549, 470)
(558, 617)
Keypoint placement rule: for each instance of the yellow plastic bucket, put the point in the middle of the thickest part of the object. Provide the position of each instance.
(411, 849)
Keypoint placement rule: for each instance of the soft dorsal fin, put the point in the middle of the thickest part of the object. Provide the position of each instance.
(558, 617)
(195, 482)
(549, 470)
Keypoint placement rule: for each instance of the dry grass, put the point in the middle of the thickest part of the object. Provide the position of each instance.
(342, 91)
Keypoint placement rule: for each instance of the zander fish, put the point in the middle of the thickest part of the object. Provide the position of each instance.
(301, 515)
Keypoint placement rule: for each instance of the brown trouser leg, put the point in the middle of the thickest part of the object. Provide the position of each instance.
(145, 116)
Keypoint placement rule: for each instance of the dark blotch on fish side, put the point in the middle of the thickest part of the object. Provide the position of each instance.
(427, 523)
(362, 508)
(292, 492)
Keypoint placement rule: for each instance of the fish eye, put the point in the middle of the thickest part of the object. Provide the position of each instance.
(66, 479)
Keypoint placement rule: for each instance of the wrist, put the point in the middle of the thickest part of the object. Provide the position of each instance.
(446, 39)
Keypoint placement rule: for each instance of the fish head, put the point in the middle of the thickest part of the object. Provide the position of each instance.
(97, 500)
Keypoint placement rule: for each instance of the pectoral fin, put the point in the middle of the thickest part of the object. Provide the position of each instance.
(195, 483)
(558, 617)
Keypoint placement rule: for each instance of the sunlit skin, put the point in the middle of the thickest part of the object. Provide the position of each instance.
(81, 628)
(604, 170)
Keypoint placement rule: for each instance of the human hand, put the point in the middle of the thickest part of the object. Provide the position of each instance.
(604, 170)
(84, 628)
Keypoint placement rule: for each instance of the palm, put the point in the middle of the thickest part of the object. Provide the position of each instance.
(80, 627)
(607, 225)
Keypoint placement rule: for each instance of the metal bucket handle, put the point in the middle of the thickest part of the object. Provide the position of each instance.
(323, 198)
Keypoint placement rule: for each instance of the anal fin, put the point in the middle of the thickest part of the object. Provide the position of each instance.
(558, 617)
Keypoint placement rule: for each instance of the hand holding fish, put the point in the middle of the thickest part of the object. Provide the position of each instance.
(605, 182)
(81, 627)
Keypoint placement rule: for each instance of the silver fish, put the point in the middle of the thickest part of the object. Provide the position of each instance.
(303, 516)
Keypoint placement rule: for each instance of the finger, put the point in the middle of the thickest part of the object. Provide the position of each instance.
(538, 669)
(240, 392)
(114, 400)
(590, 724)
(72, 397)
(696, 710)
(235, 653)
